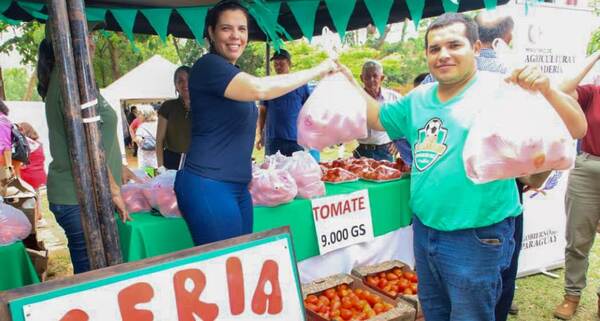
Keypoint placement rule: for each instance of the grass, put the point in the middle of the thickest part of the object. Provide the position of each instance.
(536, 295)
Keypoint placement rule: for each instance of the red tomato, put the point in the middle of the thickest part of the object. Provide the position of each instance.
(346, 314)
(391, 276)
(408, 291)
(311, 298)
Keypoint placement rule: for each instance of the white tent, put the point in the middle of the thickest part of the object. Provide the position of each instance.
(153, 79)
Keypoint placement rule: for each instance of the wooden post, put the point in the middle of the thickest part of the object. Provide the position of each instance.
(58, 22)
(97, 157)
(267, 56)
(2, 93)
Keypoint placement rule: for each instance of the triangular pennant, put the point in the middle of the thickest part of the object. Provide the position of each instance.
(9, 20)
(273, 11)
(126, 19)
(380, 13)
(340, 12)
(4, 4)
(415, 7)
(34, 9)
(490, 4)
(95, 14)
(450, 5)
(194, 18)
(159, 20)
(265, 14)
(305, 13)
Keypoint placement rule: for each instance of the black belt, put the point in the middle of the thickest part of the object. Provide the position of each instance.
(374, 147)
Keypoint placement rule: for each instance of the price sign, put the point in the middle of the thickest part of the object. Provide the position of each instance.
(342, 220)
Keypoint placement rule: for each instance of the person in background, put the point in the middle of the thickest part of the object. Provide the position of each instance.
(135, 123)
(62, 196)
(419, 79)
(463, 232)
(582, 202)
(34, 173)
(145, 137)
(212, 188)
(132, 114)
(174, 127)
(377, 145)
(280, 115)
(6, 143)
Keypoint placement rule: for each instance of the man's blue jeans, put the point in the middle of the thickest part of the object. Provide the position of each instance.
(284, 146)
(69, 218)
(460, 272)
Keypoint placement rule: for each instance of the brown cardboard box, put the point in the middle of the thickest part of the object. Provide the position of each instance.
(362, 272)
(402, 310)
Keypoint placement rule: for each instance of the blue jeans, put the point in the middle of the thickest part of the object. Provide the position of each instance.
(460, 272)
(213, 210)
(510, 275)
(69, 218)
(381, 152)
(284, 146)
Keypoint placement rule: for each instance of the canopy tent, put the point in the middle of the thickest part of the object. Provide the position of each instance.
(185, 18)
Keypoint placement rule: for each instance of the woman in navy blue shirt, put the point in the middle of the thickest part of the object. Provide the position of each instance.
(212, 189)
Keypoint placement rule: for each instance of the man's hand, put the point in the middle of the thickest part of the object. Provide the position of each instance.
(393, 149)
(120, 207)
(530, 78)
(347, 72)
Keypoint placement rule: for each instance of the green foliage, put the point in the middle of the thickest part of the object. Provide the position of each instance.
(252, 60)
(594, 44)
(15, 82)
(26, 40)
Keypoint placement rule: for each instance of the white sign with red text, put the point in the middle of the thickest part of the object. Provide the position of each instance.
(342, 220)
(249, 281)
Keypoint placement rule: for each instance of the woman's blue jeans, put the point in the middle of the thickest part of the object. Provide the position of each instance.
(69, 218)
(460, 272)
(213, 210)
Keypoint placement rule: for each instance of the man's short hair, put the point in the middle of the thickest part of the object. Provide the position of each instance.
(495, 28)
(372, 64)
(451, 18)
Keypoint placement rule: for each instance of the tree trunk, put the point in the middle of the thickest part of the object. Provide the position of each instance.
(176, 45)
(381, 39)
(2, 93)
(30, 86)
(114, 59)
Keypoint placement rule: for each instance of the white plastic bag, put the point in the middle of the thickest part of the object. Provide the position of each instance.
(307, 173)
(14, 225)
(516, 133)
(160, 194)
(334, 113)
(134, 198)
(272, 187)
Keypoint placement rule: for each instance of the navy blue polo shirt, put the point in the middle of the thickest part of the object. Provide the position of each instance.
(282, 114)
(223, 130)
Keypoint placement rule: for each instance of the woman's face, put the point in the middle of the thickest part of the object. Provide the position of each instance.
(181, 84)
(230, 35)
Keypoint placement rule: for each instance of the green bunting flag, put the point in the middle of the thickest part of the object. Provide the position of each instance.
(95, 14)
(415, 7)
(305, 13)
(340, 12)
(4, 5)
(380, 13)
(159, 20)
(34, 9)
(490, 4)
(126, 19)
(450, 5)
(194, 18)
(265, 14)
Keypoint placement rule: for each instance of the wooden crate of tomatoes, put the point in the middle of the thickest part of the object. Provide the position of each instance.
(393, 278)
(343, 297)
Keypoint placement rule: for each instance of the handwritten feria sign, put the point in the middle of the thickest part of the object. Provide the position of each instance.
(245, 281)
(342, 220)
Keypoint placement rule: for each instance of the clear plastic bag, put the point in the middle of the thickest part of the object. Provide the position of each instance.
(516, 133)
(272, 187)
(334, 113)
(160, 194)
(307, 174)
(134, 198)
(14, 225)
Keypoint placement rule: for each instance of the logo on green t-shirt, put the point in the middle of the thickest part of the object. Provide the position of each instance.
(430, 145)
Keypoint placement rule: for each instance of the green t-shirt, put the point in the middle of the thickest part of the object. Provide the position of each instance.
(60, 184)
(442, 196)
(179, 126)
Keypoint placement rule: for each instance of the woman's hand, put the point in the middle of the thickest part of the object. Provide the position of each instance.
(347, 72)
(127, 175)
(121, 208)
(327, 67)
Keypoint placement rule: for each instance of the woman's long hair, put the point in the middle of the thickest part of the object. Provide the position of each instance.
(45, 64)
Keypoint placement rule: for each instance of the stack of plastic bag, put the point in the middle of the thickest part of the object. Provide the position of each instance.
(14, 225)
(272, 187)
(307, 174)
(516, 133)
(134, 198)
(276, 161)
(334, 113)
(160, 194)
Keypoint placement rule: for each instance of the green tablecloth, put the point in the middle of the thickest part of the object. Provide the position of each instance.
(17, 270)
(149, 235)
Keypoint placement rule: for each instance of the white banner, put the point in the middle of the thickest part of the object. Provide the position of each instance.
(342, 220)
(544, 223)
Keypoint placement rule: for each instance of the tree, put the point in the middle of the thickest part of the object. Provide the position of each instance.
(17, 82)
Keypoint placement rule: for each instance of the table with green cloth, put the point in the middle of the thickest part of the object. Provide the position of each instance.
(150, 234)
(17, 269)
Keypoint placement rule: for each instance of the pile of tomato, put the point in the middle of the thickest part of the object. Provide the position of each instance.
(342, 303)
(394, 282)
(338, 175)
(366, 168)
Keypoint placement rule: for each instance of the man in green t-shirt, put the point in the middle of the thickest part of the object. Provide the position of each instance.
(462, 231)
